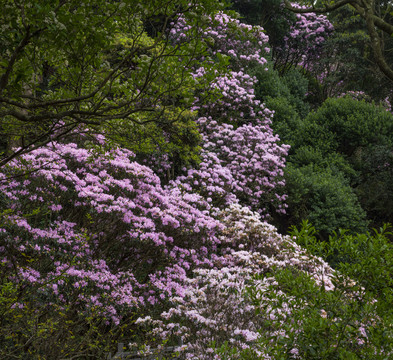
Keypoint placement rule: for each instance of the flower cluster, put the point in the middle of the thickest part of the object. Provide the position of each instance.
(238, 164)
(215, 308)
(108, 223)
(356, 95)
(237, 140)
(307, 36)
(225, 35)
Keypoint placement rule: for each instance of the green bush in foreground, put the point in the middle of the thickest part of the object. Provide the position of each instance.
(352, 320)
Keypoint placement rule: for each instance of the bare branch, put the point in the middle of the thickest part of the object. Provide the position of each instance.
(40, 141)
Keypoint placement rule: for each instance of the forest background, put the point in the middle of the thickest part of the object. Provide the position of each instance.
(162, 164)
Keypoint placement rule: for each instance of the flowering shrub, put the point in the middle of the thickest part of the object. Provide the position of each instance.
(308, 35)
(280, 302)
(236, 127)
(215, 310)
(225, 35)
(355, 95)
(256, 161)
(98, 232)
(94, 235)
(304, 43)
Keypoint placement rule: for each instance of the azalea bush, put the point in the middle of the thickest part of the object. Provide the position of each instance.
(304, 43)
(215, 312)
(340, 314)
(74, 235)
(241, 159)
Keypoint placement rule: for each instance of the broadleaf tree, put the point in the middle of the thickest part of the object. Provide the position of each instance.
(97, 65)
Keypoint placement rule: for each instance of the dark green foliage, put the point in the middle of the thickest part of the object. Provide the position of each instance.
(292, 86)
(285, 95)
(346, 125)
(286, 119)
(353, 138)
(374, 189)
(307, 155)
(326, 166)
(297, 84)
(270, 83)
(324, 197)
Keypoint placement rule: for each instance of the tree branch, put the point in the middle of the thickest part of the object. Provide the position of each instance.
(377, 49)
(366, 10)
(5, 77)
(320, 10)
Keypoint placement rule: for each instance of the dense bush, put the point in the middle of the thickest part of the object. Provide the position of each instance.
(92, 236)
(360, 132)
(292, 86)
(345, 124)
(324, 197)
(339, 164)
